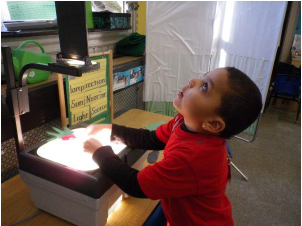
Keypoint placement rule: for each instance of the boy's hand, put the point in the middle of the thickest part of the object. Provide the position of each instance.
(92, 145)
(95, 128)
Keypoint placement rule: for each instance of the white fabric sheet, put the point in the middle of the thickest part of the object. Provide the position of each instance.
(179, 40)
(183, 36)
(247, 35)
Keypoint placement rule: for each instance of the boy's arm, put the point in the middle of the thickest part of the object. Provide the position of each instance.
(137, 138)
(120, 173)
(171, 177)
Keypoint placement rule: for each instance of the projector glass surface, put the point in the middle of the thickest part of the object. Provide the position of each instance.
(69, 150)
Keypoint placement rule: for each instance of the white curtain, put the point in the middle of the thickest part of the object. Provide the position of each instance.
(183, 37)
(179, 40)
(246, 36)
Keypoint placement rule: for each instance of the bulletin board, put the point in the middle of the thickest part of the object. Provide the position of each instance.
(89, 97)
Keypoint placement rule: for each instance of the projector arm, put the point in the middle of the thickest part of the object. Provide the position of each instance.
(17, 94)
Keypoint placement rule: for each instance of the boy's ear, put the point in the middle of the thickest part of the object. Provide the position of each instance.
(215, 126)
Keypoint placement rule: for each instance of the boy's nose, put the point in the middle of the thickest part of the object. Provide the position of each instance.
(192, 82)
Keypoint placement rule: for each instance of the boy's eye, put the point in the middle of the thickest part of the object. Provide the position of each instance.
(205, 87)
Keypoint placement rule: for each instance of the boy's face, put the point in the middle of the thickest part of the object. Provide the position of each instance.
(199, 99)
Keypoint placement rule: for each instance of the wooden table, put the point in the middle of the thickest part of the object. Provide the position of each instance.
(16, 203)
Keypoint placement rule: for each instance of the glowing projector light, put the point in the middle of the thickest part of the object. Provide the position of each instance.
(69, 150)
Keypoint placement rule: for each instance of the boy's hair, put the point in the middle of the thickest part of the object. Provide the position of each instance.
(240, 105)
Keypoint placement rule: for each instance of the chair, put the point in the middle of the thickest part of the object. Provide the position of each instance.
(157, 217)
(251, 131)
(287, 86)
(232, 164)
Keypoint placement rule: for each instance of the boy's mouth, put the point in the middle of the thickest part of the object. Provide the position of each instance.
(180, 93)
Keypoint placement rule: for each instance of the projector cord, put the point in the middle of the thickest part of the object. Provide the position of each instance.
(26, 219)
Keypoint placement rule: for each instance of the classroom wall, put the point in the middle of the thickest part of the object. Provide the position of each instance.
(141, 18)
(285, 56)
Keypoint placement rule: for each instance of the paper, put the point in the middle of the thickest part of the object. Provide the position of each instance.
(154, 126)
(88, 95)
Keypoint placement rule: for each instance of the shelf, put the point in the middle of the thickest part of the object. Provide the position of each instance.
(117, 62)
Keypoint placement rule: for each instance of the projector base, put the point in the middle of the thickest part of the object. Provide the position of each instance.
(73, 206)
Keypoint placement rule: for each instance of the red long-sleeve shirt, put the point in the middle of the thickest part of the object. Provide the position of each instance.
(191, 179)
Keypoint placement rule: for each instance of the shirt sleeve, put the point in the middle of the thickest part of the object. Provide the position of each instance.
(170, 178)
(119, 172)
(137, 138)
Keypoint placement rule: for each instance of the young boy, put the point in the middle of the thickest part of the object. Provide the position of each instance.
(192, 177)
